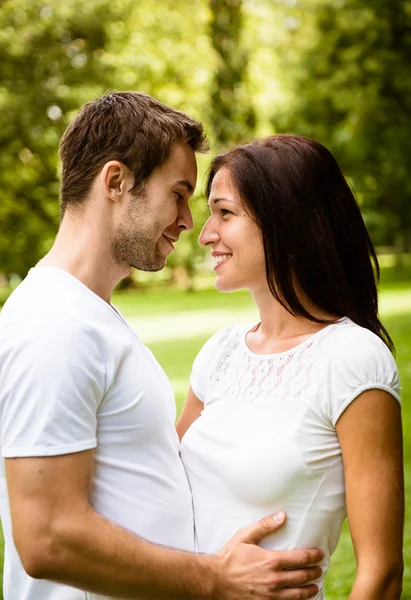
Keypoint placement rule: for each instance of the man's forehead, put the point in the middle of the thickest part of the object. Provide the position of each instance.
(180, 168)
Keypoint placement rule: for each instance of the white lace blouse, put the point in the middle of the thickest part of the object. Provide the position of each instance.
(266, 439)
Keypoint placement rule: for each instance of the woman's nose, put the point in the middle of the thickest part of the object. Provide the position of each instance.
(208, 234)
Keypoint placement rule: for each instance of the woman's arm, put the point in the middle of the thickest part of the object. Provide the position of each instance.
(191, 411)
(370, 436)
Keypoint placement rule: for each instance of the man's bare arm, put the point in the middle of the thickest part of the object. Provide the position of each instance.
(60, 537)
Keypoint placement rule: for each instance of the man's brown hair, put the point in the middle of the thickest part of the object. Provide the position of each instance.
(130, 127)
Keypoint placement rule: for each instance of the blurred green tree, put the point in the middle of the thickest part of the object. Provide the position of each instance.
(346, 68)
(169, 56)
(227, 107)
(335, 70)
(54, 57)
(232, 114)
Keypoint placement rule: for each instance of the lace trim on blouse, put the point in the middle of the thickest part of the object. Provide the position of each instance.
(246, 377)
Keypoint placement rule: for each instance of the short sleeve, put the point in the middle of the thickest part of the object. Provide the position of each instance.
(358, 361)
(52, 373)
(205, 360)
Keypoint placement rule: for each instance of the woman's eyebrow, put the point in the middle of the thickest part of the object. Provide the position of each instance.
(215, 200)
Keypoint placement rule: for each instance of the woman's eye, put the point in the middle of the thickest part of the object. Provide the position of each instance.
(225, 212)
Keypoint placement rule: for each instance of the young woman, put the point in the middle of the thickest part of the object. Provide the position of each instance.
(301, 411)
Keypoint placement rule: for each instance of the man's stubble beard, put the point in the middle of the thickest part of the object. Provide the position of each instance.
(136, 247)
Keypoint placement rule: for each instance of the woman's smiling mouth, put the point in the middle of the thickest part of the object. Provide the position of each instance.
(220, 258)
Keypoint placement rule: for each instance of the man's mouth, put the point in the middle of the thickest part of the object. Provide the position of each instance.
(169, 239)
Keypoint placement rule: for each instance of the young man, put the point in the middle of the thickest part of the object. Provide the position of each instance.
(96, 497)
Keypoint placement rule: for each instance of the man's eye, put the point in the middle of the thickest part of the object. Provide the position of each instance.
(179, 196)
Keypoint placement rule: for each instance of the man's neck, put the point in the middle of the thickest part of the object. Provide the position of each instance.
(84, 252)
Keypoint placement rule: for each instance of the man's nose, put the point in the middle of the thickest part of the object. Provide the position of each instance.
(185, 219)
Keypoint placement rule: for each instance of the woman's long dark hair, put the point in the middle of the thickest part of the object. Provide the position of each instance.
(312, 228)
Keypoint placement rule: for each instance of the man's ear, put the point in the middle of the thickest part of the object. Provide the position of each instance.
(114, 178)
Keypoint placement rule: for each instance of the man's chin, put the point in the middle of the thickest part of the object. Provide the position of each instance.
(150, 268)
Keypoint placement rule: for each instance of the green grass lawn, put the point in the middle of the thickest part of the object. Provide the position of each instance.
(177, 324)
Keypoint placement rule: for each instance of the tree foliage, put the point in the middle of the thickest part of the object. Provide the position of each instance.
(52, 59)
(232, 113)
(336, 70)
(349, 87)
(54, 56)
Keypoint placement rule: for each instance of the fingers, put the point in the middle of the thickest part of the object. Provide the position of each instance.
(292, 559)
(300, 577)
(257, 531)
(301, 593)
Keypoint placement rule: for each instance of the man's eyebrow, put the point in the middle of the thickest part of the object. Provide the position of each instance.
(186, 184)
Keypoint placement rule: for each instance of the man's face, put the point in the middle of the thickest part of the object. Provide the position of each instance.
(153, 220)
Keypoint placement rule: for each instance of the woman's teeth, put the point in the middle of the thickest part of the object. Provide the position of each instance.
(221, 258)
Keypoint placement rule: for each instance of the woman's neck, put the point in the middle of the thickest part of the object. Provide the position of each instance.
(279, 330)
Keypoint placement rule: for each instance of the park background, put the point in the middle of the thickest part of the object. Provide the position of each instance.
(336, 70)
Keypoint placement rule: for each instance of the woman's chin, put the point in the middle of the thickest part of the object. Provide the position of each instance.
(223, 285)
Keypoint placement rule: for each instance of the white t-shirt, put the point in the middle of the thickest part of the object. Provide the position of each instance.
(266, 439)
(74, 376)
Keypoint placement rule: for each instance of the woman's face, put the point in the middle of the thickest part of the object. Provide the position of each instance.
(234, 239)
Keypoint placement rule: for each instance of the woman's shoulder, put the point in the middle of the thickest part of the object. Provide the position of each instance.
(215, 347)
(357, 360)
(356, 343)
(229, 331)
(221, 338)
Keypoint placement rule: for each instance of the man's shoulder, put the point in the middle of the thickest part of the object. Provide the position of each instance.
(52, 314)
(40, 328)
(55, 297)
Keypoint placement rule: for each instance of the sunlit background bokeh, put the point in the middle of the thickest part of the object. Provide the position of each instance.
(336, 70)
